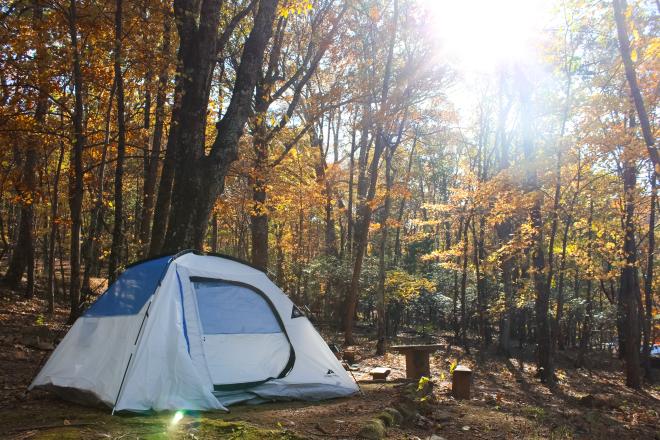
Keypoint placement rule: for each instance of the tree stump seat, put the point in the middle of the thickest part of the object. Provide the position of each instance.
(417, 358)
(349, 355)
(380, 373)
(460, 382)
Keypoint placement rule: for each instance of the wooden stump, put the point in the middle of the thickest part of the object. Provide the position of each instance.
(461, 382)
(417, 364)
(349, 355)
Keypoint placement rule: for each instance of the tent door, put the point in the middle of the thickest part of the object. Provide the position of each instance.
(243, 338)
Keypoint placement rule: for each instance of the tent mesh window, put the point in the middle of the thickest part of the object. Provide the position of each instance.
(243, 340)
(227, 308)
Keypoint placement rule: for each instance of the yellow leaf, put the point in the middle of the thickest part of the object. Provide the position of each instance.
(635, 34)
(422, 383)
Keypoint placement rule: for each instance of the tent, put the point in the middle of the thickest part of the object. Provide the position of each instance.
(193, 331)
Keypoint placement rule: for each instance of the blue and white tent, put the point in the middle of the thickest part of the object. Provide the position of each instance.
(196, 332)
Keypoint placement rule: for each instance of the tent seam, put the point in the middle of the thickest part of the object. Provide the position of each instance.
(183, 311)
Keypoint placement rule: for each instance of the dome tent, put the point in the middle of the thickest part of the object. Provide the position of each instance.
(193, 331)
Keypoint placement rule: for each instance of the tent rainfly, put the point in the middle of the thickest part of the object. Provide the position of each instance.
(193, 331)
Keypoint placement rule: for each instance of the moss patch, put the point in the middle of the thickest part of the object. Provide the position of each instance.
(386, 418)
(213, 428)
(68, 433)
(397, 418)
(373, 430)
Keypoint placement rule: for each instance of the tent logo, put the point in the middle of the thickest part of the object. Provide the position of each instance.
(330, 372)
(296, 312)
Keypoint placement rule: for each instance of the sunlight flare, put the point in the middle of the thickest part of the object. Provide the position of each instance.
(178, 416)
(481, 35)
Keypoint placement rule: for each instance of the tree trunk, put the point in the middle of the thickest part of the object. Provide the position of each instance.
(54, 221)
(349, 207)
(505, 324)
(117, 248)
(542, 301)
(631, 76)
(151, 175)
(92, 246)
(259, 214)
(588, 316)
(76, 160)
(164, 196)
(267, 93)
(558, 338)
(504, 232)
(381, 305)
(22, 258)
(648, 279)
(464, 275)
(330, 249)
(554, 225)
(402, 206)
(544, 361)
(200, 177)
(330, 234)
(504, 229)
(361, 238)
(455, 324)
(364, 206)
(478, 256)
(279, 255)
(630, 281)
(214, 233)
(621, 323)
(555, 325)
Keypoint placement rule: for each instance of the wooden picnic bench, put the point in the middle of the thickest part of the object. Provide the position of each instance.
(417, 358)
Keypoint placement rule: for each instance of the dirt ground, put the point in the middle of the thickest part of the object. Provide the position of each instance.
(507, 401)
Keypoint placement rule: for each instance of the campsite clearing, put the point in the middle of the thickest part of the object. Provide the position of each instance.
(507, 403)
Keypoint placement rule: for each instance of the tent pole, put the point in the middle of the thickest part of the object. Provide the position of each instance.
(355, 380)
(122, 384)
(128, 364)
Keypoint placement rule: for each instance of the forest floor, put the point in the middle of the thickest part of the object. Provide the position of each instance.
(508, 402)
